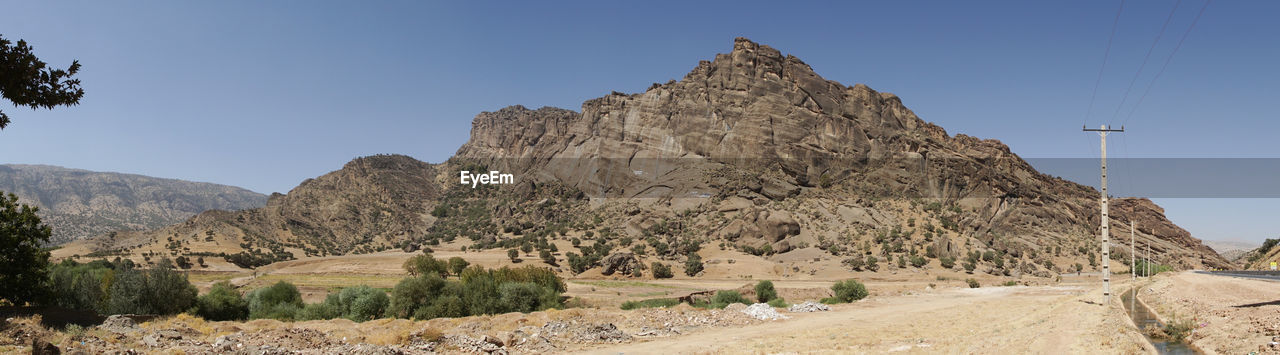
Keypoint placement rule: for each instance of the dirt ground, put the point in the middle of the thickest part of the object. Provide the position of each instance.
(1042, 319)
(1232, 315)
(1039, 319)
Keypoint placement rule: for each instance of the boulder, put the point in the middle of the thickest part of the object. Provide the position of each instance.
(620, 262)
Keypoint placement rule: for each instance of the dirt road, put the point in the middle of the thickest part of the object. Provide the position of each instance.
(1232, 315)
(1064, 319)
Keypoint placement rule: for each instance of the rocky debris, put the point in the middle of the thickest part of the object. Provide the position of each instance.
(601, 333)
(161, 337)
(620, 262)
(120, 324)
(763, 311)
(808, 306)
(40, 346)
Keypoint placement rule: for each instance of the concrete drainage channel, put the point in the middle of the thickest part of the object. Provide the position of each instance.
(1144, 318)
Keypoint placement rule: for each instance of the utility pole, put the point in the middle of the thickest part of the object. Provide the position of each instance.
(1106, 219)
(1133, 258)
(1148, 263)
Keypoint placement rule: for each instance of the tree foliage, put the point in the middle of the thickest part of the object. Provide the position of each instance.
(222, 303)
(22, 261)
(28, 81)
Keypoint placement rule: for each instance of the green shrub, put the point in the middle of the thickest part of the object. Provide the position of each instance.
(918, 261)
(694, 265)
(280, 301)
(222, 303)
(972, 283)
(947, 262)
(847, 291)
(1010, 283)
(362, 303)
(523, 297)
(661, 271)
(725, 298)
(778, 303)
(872, 263)
(413, 293)
(323, 310)
(650, 303)
(765, 292)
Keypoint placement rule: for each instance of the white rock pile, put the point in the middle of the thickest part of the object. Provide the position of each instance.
(763, 311)
(809, 306)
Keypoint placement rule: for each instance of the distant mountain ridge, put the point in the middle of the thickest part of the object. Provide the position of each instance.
(80, 203)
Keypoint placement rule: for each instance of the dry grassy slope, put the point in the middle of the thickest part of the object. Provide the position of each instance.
(1262, 257)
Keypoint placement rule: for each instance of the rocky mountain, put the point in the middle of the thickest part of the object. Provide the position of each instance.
(1231, 250)
(372, 203)
(1261, 257)
(80, 203)
(750, 151)
(759, 126)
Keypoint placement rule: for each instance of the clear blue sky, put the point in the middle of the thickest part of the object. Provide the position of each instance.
(266, 94)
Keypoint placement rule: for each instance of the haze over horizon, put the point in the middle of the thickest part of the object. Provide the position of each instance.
(263, 96)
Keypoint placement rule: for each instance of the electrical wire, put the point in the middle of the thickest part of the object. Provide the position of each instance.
(1167, 60)
(1145, 59)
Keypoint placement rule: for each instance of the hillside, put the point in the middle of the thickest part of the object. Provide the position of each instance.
(80, 203)
(751, 152)
(1231, 250)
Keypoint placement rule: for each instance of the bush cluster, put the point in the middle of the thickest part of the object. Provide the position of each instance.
(846, 291)
(120, 288)
(478, 291)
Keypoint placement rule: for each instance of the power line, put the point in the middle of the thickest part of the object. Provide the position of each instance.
(1105, 55)
(1167, 60)
(1146, 58)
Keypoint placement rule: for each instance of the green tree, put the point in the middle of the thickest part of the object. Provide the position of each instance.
(765, 292)
(28, 81)
(222, 303)
(23, 264)
(514, 255)
(694, 265)
(457, 264)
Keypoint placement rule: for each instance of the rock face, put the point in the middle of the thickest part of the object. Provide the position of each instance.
(623, 263)
(780, 130)
(375, 202)
(79, 204)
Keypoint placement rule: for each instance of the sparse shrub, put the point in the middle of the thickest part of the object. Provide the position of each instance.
(947, 262)
(222, 303)
(1010, 283)
(661, 271)
(918, 261)
(727, 297)
(547, 257)
(514, 255)
(765, 291)
(650, 303)
(972, 283)
(847, 291)
(872, 263)
(969, 266)
(856, 263)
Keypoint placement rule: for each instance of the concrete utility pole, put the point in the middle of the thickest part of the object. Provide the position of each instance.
(1106, 219)
(1133, 258)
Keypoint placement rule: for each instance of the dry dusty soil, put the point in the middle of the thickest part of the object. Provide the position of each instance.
(1038, 319)
(1231, 315)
